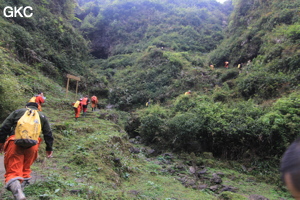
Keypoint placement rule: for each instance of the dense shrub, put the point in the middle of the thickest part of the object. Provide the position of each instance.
(238, 130)
(152, 76)
(10, 93)
(261, 84)
(229, 74)
(152, 124)
(185, 131)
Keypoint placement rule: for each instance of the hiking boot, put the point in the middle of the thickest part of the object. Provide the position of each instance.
(24, 184)
(16, 189)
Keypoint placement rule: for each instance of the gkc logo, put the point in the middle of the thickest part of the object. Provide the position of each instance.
(14, 11)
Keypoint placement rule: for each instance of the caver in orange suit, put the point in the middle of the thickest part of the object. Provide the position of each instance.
(77, 108)
(94, 102)
(15, 157)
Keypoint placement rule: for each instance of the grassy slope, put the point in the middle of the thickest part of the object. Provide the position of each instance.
(86, 165)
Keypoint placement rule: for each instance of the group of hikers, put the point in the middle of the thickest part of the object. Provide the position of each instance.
(20, 140)
(82, 105)
(239, 66)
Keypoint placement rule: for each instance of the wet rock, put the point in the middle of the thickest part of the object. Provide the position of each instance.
(202, 172)
(190, 183)
(182, 179)
(66, 168)
(180, 167)
(171, 171)
(257, 197)
(244, 168)
(132, 141)
(75, 191)
(230, 195)
(136, 140)
(149, 152)
(135, 150)
(229, 188)
(214, 188)
(216, 179)
(134, 192)
(232, 177)
(165, 162)
(250, 179)
(221, 174)
(192, 169)
(202, 187)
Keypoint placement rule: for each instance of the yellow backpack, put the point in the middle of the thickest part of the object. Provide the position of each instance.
(28, 129)
(76, 104)
(32, 99)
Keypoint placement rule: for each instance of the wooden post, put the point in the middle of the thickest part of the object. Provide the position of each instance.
(76, 89)
(69, 76)
(67, 87)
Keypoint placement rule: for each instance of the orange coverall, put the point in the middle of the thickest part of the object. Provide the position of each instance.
(39, 100)
(17, 160)
(94, 101)
(77, 111)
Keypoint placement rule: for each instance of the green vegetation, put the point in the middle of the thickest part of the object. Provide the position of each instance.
(236, 123)
(242, 130)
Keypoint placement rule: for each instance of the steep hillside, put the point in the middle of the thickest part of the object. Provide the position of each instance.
(151, 49)
(265, 28)
(131, 26)
(45, 44)
(263, 36)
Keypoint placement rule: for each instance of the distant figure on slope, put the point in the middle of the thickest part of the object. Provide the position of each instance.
(94, 102)
(32, 99)
(85, 102)
(226, 64)
(188, 92)
(39, 99)
(212, 67)
(290, 168)
(240, 67)
(77, 108)
(148, 103)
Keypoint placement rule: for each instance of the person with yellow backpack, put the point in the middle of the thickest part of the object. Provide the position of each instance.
(32, 99)
(19, 140)
(77, 108)
(188, 92)
(39, 99)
